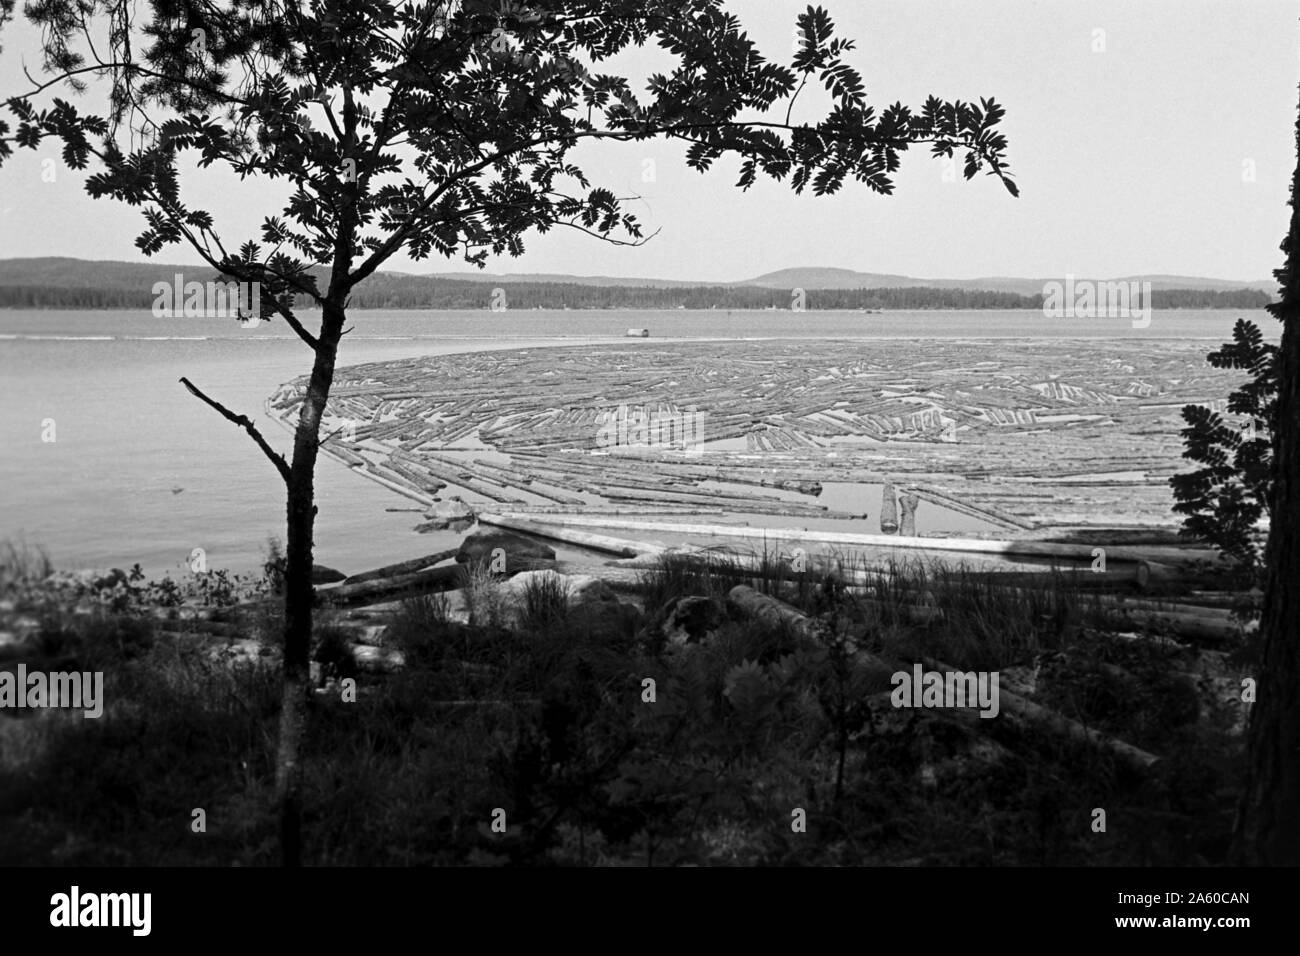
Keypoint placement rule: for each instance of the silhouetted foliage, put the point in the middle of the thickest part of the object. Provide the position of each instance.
(440, 128)
(1225, 497)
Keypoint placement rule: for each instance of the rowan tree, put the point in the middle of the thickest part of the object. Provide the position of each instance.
(443, 128)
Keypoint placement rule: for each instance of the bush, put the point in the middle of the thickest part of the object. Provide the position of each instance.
(1224, 498)
(419, 627)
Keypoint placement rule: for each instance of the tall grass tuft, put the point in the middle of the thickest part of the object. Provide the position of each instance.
(418, 627)
(545, 601)
(485, 598)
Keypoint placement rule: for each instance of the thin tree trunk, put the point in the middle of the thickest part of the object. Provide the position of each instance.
(1268, 823)
(298, 592)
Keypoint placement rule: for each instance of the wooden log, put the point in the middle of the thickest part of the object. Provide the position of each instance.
(888, 510)
(421, 497)
(452, 704)
(348, 457)
(742, 505)
(401, 567)
(740, 564)
(423, 482)
(986, 512)
(1172, 606)
(612, 509)
(1188, 625)
(907, 505)
(1058, 723)
(445, 578)
(777, 613)
(621, 547)
(963, 545)
(769, 610)
(454, 476)
(1117, 575)
(749, 566)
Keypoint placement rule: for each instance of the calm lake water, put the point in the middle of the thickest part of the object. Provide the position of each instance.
(141, 471)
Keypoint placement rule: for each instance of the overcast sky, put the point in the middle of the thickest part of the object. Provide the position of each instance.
(1170, 150)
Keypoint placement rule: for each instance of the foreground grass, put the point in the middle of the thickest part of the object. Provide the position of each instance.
(550, 724)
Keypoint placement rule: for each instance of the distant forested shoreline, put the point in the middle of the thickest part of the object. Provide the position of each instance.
(388, 291)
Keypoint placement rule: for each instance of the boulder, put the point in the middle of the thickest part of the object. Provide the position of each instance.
(516, 552)
(690, 619)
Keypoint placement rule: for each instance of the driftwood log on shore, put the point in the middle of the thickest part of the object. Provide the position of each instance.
(400, 568)
(443, 578)
(1118, 575)
(775, 612)
(957, 545)
(1058, 723)
(778, 613)
(1214, 625)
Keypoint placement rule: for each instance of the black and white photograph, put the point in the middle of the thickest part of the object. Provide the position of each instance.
(729, 434)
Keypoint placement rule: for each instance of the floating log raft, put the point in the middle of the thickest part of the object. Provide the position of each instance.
(1032, 434)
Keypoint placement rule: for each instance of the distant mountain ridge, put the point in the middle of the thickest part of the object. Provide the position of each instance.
(66, 283)
(829, 278)
(86, 273)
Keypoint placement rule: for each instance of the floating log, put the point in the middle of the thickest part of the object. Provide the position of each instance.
(888, 510)
(907, 505)
(964, 506)
(424, 499)
(589, 509)
(349, 458)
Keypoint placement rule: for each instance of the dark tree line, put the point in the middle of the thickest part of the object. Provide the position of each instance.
(385, 291)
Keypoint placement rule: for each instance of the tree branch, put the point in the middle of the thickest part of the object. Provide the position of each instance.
(244, 422)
